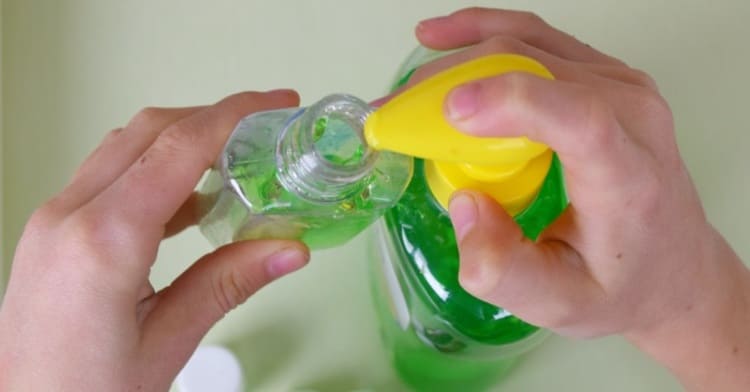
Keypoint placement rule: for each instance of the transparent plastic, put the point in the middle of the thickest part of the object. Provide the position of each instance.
(301, 173)
(441, 337)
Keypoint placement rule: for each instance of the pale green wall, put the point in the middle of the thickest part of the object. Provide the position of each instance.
(74, 69)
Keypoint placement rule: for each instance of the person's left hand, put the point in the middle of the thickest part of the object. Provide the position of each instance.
(79, 312)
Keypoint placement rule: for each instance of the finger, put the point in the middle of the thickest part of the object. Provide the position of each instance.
(473, 25)
(382, 100)
(572, 119)
(209, 289)
(163, 178)
(119, 149)
(630, 94)
(624, 74)
(608, 77)
(542, 283)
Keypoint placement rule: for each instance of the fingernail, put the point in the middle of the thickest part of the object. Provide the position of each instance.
(463, 211)
(285, 261)
(463, 101)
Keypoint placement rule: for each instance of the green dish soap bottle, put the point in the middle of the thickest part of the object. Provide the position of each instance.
(301, 173)
(440, 337)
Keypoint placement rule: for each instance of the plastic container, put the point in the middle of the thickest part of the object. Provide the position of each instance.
(301, 173)
(439, 336)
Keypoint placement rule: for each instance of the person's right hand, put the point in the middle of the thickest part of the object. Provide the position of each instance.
(634, 253)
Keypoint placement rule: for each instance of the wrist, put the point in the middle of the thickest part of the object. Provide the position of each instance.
(706, 343)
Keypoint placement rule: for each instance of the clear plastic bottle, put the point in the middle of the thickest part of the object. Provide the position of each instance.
(302, 173)
(440, 337)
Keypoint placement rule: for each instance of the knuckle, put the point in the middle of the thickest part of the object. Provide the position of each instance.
(175, 142)
(642, 78)
(562, 315)
(654, 105)
(482, 269)
(601, 127)
(472, 13)
(519, 82)
(95, 234)
(648, 198)
(504, 44)
(145, 116)
(111, 137)
(178, 139)
(231, 288)
(474, 282)
(570, 317)
(509, 96)
(516, 87)
(42, 219)
(84, 228)
(530, 19)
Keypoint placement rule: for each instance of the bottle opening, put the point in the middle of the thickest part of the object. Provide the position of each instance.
(322, 151)
(336, 134)
(338, 141)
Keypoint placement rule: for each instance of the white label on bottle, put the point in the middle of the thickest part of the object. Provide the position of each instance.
(398, 301)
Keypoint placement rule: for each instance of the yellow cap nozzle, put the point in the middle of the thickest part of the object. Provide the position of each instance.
(513, 192)
(413, 123)
(494, 173)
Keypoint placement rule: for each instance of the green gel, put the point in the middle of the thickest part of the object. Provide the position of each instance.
(453, 340)
(337, 142)
(301, 173)
(440, 353)
(334, 224)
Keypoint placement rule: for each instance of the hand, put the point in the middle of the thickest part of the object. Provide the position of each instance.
(79, 312)
(634, 253)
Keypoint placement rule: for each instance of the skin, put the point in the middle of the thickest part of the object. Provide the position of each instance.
(80, 273)
(633, 255)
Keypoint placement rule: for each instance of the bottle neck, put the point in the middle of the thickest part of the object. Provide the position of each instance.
(321, 153)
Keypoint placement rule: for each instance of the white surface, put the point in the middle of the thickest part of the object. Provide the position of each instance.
(211, 369)
(74, 69)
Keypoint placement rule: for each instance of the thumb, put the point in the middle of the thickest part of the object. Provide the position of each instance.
(541, 283)
(214, 285)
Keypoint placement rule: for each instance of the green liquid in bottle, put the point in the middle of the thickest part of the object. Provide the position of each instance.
(333, 140)
(303, 174)
(330, 225)
(443, 338)
(457, 333)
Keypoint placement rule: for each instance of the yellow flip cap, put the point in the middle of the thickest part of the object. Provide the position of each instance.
(511, 170)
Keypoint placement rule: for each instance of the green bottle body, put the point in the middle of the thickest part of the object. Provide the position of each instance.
(440, 337)
(301, 173)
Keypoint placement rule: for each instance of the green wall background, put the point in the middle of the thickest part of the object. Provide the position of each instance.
(74, 69)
